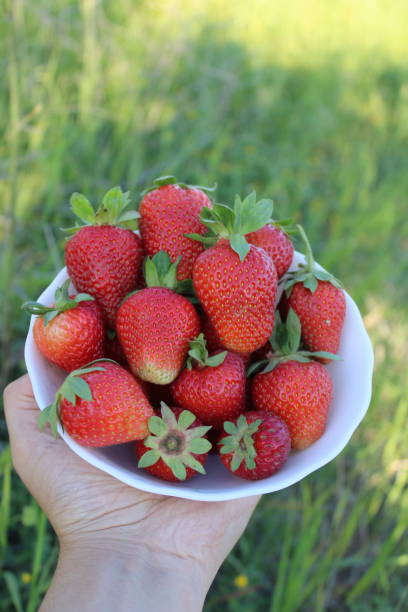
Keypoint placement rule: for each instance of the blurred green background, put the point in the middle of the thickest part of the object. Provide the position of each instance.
(308, 104)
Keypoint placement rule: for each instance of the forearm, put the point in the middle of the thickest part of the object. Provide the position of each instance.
(102, 580)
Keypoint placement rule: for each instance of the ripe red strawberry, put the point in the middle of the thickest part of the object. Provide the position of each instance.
(176, 448)
(102, 258)
(169, 210)
(70, 333)
(212, 388)
(155, 325)
(276, 243)
(319, 301)
(294, 386)
(234, 281)
(100, 405)
(257, 445)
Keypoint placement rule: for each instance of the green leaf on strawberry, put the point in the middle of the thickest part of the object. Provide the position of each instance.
(232, 223)
(240, 442)
(110, 212)
(160, 271)
(285, 343)
(198, 352)
(82, 208)
(72, 388)
(62, 303)
(174, 441)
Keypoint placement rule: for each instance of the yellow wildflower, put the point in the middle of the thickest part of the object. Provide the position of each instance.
(25, 577)
(241, 581)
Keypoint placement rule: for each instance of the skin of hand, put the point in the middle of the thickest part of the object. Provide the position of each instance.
(119, 547)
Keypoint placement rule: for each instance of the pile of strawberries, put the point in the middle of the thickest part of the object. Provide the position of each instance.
(174, 341)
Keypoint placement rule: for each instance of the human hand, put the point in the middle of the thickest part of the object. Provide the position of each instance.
(119, 545)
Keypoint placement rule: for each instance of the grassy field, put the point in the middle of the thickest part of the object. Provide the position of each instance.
(307, 105)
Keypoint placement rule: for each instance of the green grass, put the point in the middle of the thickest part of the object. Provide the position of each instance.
(308, 106)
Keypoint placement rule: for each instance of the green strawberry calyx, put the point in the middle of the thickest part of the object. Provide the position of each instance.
(233, 223)
(161, 181)
(285, 343)
(309, 274)
(198, 353)
(240, 442)
(174, 441)
(110, 212)
(73, 387)
(160, 271)
(62, 303)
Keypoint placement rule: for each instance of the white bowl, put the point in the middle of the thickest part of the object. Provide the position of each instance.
(352, 392)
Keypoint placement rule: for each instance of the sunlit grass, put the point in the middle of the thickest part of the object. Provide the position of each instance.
(304, 102)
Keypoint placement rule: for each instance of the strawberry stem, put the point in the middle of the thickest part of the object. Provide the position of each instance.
(309, 253)
(309, 274)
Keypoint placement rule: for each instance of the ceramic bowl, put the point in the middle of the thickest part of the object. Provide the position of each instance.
(352, 392)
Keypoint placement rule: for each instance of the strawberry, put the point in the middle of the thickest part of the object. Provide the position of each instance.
(176, 448)
(70, 333)
(257, 445)
(102, 258)
(276, 242)
(319, 301)
(155, 325)
(168, 211)
(99, 405)
(234, 281)
(293, 385)
(211, 387)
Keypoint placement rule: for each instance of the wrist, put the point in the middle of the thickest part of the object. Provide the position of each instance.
(93, 576)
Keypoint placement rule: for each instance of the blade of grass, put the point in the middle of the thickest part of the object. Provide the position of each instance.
(34, 594)
(284, 561)
(13, 141)
(371, 574)
(5, 470)
(13, 588)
